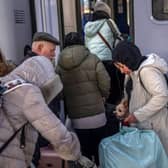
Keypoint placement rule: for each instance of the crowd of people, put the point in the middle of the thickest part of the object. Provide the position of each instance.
(90, 75)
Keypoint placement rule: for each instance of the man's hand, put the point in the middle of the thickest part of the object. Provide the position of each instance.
(85, 162)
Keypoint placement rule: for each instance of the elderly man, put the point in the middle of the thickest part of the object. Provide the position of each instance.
(43, 44)
(30, 88)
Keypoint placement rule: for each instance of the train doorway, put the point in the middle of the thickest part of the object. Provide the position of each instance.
(121, 14)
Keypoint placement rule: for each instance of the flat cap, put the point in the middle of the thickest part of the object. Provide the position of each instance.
(43, 36)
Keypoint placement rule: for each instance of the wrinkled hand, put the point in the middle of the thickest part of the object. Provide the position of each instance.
(122, 109)
(130, 119)
(86, 163)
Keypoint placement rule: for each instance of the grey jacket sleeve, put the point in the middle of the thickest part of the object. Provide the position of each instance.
(36, 111)
(103, 79)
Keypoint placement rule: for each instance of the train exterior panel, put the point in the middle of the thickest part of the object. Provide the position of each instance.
(151, 26)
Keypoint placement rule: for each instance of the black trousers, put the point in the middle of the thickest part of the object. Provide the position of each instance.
(117, 83)
(116, 94)
(89, 140)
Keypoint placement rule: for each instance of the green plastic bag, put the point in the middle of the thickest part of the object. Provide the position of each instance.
(132, 148)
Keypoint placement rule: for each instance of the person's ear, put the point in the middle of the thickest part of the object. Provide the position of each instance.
(40, 47)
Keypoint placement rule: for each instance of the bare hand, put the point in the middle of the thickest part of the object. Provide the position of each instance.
(130, 119)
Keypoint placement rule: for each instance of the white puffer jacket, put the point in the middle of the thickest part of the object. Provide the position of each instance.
(149, 99)
(27, 103)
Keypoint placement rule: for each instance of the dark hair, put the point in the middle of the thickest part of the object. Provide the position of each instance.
(27, 48)
(73, 38)
(97, 15)
(5, 67)
(128, 54)
(2, 57)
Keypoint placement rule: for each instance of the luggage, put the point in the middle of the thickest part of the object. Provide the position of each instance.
(50, 159)
(132, 148)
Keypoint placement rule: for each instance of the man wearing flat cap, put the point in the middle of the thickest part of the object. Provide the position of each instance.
(43, 36)
(44, 45)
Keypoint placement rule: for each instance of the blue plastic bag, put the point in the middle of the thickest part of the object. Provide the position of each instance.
(132, 148)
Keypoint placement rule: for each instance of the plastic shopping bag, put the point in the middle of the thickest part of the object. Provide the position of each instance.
(132, 148)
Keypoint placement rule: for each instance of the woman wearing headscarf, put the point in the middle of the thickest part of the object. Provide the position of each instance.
(149, 94)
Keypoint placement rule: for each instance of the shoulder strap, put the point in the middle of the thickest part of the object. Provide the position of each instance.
(11, 138)
(116, 33)
(112, 27)
(140, 80)
(104, 40)
(165, 76)
(4, 89)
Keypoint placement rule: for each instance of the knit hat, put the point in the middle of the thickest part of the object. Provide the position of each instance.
(102, 6)
(128, 54)
(43, 36)
(73, 38)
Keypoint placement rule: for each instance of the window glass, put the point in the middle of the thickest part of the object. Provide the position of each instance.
(160, 9)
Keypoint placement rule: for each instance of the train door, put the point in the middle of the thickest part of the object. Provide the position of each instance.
(48, 18)
(15, 29)
(151, 26)
(120, 13)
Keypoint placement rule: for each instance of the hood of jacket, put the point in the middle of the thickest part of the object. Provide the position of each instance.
(153, 60)
(91, 28)
(40, 72)
(72, 56)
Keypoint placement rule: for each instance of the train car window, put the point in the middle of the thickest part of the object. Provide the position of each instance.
(160, 9)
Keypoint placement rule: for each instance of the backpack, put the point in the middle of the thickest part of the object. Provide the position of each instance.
(116, 35)
(4, 90)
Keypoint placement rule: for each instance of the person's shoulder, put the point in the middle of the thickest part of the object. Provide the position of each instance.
(94, 58)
